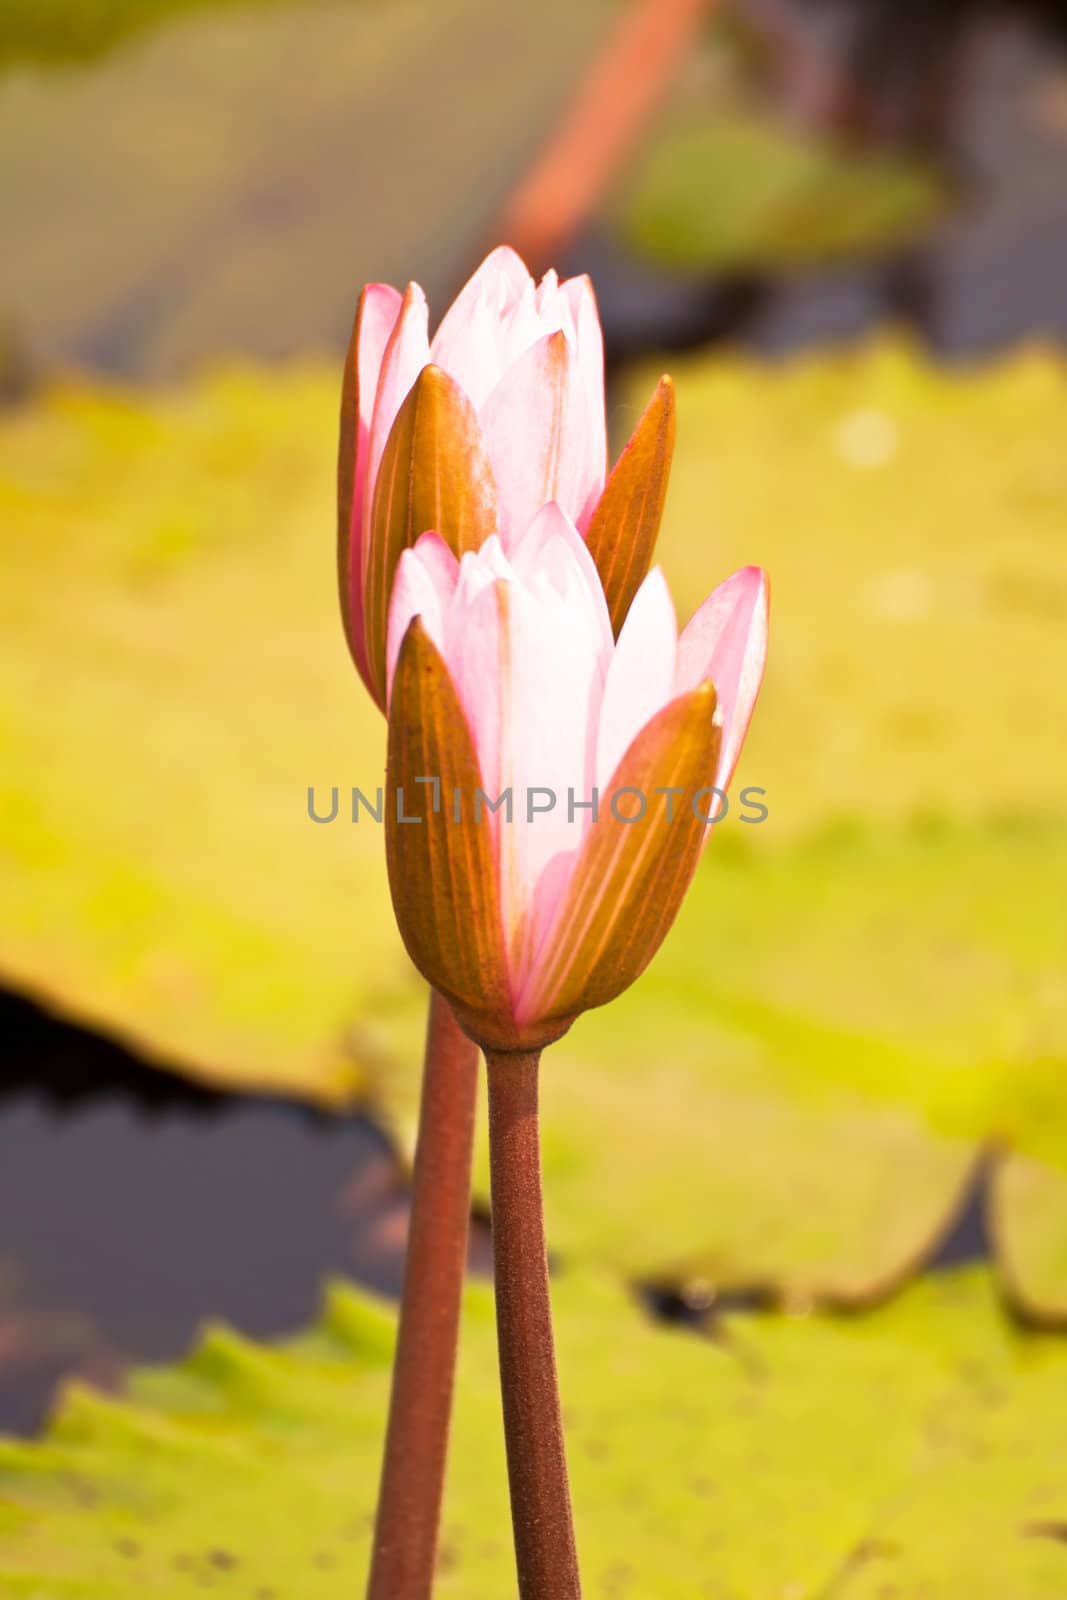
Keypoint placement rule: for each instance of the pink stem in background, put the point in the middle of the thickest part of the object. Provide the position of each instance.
(614, 103)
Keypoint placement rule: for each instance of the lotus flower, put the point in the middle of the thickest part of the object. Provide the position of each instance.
(505, 676)
(470, 433)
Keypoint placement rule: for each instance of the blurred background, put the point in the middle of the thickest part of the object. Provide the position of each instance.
(842, 225)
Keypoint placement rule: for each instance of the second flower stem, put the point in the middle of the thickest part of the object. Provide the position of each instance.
(545, 1553)
(413, 1471)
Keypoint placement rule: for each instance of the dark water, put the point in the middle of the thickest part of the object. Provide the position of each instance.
(134, 1205)
(976, 89)
(968, 1240)
(989, 277)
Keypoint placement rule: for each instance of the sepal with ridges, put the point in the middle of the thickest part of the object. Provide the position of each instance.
(434, 476)
(631, 876)
(442, 873)
(625, 525)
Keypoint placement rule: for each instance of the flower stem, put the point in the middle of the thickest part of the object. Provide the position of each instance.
(416, 1444)
(537, 1469)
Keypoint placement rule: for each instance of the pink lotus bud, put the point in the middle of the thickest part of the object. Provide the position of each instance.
(470, 434)
(571, 775)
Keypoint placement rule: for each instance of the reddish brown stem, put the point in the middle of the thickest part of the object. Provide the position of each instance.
(416, 1444)
(613, 104)
(545, 1553)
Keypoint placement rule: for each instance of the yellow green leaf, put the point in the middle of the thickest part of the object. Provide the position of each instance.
(1029, 1225)
(727, 189)
(915, 1452)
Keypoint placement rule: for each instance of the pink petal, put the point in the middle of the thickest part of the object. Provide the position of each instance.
(554, 309)
(379, 307)
(473, 357)
(726, 641)
(545, 298)
(552, 547)
(549, 895)
(476, 650)
(640, 679)
(406, 354)
(378, 318)
(590, 341)
(478, 570)
(501, 280)
(527, 672)
(424, 584)
(535, 426)
(485, 327)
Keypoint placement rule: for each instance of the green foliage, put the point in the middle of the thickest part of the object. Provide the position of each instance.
(51, 31)
(736, 191)
(797, 1093)
(64, 30)
(797, 1090)
(175, 679)
(919, 1452)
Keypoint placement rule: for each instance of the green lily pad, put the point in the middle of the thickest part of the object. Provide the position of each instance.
(174, 679)
(913, 520)
(1029, 1217)
(917, 1451)
(736, 191)
(797, 1093)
